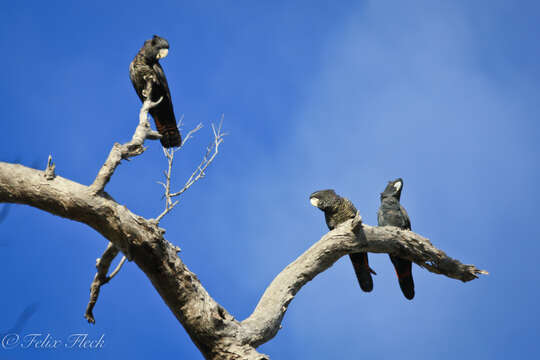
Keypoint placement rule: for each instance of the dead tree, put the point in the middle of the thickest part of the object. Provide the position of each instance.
(216, 333)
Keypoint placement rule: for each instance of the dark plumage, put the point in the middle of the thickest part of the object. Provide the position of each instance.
(392, 213)
(336, 210)
(146, 66)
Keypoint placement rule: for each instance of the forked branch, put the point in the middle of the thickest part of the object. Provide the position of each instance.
(130, 149)
(351, 236)
(211, 152)
(215, 332)
(102, 265)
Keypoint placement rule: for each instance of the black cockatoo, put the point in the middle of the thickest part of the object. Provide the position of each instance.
(146, 66)
(392, 213)
(336, 210)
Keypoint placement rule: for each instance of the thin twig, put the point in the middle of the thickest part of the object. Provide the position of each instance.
(206, 161)
(190, 133)
(211, 152)
(117, 269)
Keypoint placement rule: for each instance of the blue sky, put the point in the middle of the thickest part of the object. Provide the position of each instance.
(315, 94)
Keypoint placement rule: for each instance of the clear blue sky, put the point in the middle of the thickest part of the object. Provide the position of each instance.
(316, 94)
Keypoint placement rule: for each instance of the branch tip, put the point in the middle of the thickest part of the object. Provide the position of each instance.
(49, 170)
(102, 265)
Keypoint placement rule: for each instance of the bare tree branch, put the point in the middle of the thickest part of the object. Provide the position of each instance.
(169, 204)
(210, 326)
(351, 236)
(130, 149)
(49, 170)
(217, 334)
(213, 330)
(102, 265)
(211, 152)
(208, 158)
(191, 132)
(169, 155)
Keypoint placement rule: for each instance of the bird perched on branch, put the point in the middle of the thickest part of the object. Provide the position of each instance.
(392, 213)
(337, 210)
(145, 67)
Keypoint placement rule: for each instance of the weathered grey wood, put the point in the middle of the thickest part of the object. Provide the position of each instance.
(211, 327)
(133, 148)
(216, 333)
(351, 236)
